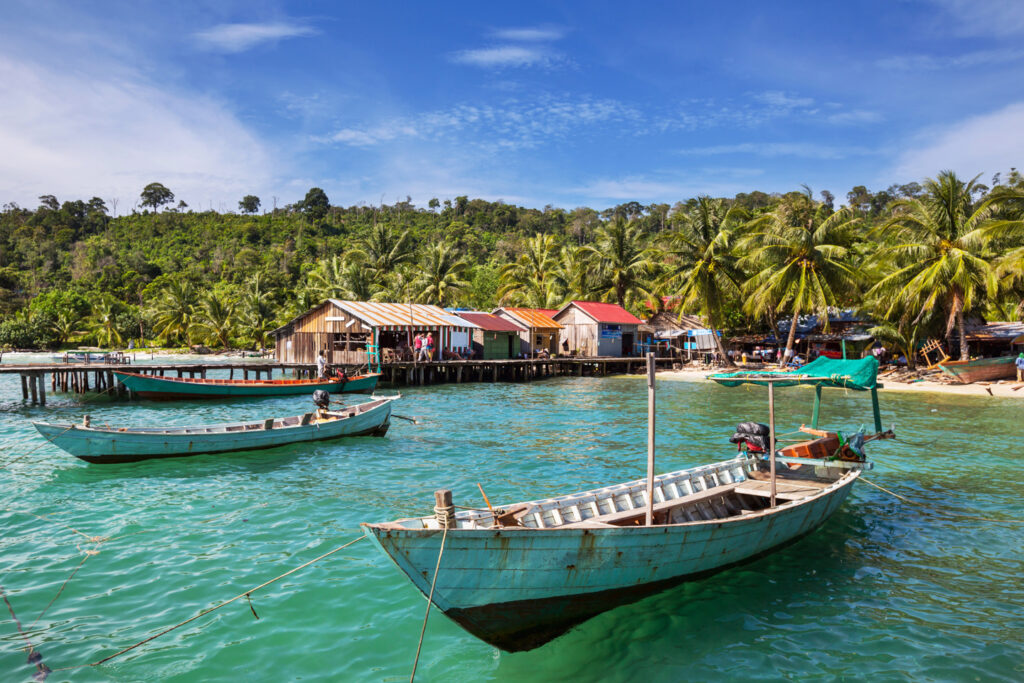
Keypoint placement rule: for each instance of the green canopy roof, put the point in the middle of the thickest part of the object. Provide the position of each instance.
(859, 374)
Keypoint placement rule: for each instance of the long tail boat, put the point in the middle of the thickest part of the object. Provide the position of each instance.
(980, 369)
(520, 575)
(169, 388)
(129, 444)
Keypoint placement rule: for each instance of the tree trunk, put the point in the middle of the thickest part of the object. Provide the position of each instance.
(790, 338)
(718, 342)
(964, 353)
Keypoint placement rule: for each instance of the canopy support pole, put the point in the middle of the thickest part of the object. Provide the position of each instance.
(650, 439)
(771, 427)
(817, 406)
(875, 411)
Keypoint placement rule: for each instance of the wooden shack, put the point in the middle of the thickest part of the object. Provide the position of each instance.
(685, 334)
(495, 338)
(539, 331)
(594, 329)
(350, 330)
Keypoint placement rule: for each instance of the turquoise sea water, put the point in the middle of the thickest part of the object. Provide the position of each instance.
(884, 591)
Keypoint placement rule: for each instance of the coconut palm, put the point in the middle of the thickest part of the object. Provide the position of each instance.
(442, 275)
(623, 265)
(400, 285)
(257, 311)
(939, 243)
(384, 250)
(573, 274)
(104, 321)
(65, 325)
(700, 267)
(216, 320)
(798, 256)
(346, 277)
(175, 311)
(530, 280)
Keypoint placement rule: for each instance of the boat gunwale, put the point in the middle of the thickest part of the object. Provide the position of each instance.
(846, 479)
(247, 382)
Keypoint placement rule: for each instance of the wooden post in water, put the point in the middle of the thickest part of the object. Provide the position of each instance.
(650, 439)
(771, 428)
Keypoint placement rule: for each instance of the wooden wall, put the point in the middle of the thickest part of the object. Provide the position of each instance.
(344, 339)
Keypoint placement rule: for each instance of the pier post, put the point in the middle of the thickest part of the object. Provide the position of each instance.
(24, 388)
(41, 380)
(34, 389)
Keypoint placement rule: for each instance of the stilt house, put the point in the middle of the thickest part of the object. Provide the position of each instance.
(350, 330)
(495, 338)
(593, 329)
(539, 331)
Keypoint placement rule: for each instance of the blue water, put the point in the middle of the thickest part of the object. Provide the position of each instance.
(885, 590)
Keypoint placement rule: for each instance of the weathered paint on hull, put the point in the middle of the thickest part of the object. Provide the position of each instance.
(562, 577)
(981, 369)
(120, 447)
(159, 388)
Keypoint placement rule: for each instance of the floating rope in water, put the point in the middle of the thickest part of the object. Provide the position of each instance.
(449, 514)
(914, 502)
(246, 594)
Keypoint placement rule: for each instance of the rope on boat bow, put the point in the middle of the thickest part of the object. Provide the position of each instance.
(445, 517)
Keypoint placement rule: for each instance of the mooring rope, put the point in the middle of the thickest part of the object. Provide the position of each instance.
(246, 594)
(25, 455)
(433, 582)
(958, 516)
(34, 657)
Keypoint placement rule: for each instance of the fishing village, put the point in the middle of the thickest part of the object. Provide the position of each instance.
(325, 380)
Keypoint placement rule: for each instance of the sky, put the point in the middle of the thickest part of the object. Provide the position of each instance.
(533, 103)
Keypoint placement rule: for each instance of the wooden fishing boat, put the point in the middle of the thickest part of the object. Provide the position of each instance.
(981, 369)
(169, 388)
(521, 575)
(128, 444)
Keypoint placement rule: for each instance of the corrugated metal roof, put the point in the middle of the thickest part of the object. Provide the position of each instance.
(532, 317)
(378, 314)
(491, 323)
(605, 313)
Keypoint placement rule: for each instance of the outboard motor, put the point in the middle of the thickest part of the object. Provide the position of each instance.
(753, 435)
(322, 399)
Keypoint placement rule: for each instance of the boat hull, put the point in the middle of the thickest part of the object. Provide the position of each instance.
(168, 388)
(562, 577)
(112, 446)
(981, 369)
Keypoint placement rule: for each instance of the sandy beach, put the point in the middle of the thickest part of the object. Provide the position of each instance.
(1003, 389)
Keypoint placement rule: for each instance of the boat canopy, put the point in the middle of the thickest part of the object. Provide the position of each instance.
(860, 374)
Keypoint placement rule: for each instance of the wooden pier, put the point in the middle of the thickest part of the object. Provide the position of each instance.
(80, 378)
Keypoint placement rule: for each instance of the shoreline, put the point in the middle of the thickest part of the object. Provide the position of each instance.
(1005, 389)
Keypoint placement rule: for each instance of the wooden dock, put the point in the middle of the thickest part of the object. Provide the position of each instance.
(80, 378)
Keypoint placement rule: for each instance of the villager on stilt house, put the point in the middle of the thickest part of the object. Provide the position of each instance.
(357, 332)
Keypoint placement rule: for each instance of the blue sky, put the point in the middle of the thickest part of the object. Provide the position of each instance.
(534, 103)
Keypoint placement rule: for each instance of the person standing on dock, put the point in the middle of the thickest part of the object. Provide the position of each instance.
(321, 365)
(429, 345)
(418, 347)
(1020, 367)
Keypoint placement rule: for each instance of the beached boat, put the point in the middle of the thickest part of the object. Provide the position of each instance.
(128, 444)
(521, 575)
(167, 388)
(981, 369)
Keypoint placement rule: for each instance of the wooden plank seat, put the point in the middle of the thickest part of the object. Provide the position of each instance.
(783, 490)
(617, 518)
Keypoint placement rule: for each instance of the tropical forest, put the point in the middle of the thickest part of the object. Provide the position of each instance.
(921, 260)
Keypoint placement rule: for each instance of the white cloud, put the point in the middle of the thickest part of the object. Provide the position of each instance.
(776, 98)
(535, 34)
(233, 38)
(854, 116)
(967, 60)
(981, 144)
(983, 17)
(77, 135)
(504, 56)
(777, 149)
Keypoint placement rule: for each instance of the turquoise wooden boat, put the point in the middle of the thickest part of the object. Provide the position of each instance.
(981, 369)
(169, 388)
(128, 444)
(520, 575)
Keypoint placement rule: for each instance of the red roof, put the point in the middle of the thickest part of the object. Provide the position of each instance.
(606, 313)
(549, 312)
(491, 323)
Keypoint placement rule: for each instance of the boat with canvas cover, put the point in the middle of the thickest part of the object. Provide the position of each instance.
(129, 444)
(170, 388)
(520, 575)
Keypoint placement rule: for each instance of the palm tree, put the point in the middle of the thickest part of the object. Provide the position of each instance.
(400, 285)
(700, 263)
(104, 321)
(622, 263)
(65, 325)
(797, 254)
(257, 311)
(175, 311)
(529, 281)
(941, 250)
(442, 275)
(217, 321)
(384, 250)
(346, 277)
(573, 274)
